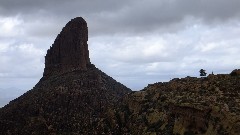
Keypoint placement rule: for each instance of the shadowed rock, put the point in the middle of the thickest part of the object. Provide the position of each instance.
(235, 72)
(70, 49)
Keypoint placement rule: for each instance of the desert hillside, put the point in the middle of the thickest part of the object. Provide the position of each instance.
(187, 106)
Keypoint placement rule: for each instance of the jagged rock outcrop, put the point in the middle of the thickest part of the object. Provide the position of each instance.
(72, 97)
(70, 49)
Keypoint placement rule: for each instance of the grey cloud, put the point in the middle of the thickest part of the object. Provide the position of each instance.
(59, 7)
(21, 61)
(148, 16)
(112, 16)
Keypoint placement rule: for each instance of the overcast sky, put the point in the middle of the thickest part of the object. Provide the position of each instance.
(137, 42)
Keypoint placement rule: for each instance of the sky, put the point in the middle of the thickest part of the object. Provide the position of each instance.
(137, 42)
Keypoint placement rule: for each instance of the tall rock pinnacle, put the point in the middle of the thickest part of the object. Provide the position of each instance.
(70, 49)
(72, 97)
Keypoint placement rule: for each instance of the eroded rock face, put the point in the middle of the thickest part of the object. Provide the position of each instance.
(70, 49)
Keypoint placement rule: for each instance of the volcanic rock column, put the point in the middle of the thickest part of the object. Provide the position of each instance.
(70, 49)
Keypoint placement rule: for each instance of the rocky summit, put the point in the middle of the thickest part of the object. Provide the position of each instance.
(75, 97)
(70, 49)
(72, 97)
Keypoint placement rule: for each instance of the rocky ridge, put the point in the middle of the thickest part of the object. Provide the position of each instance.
(187, 106)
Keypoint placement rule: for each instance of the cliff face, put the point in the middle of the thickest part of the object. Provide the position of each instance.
(70, 49)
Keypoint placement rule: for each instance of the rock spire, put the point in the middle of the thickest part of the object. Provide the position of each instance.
(70, 49)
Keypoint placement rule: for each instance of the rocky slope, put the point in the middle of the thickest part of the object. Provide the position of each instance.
(187, 106)
(72, 103)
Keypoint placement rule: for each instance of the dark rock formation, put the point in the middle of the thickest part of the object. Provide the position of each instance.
(70, 49)
(73, 97)
(235, 72)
